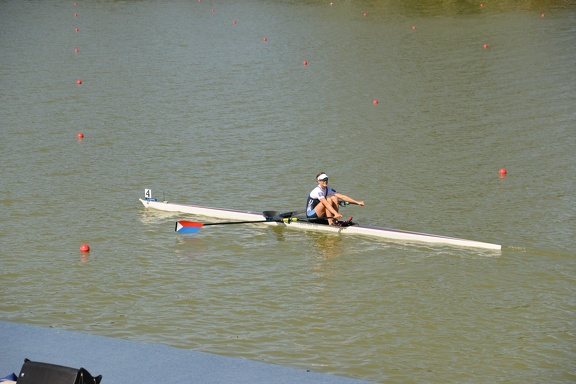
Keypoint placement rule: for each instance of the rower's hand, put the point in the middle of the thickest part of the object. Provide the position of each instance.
(337, 216)
(361, 203)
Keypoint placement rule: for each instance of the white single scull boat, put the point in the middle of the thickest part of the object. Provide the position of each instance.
(383, 233)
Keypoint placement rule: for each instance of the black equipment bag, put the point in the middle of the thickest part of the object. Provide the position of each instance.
(34, 372)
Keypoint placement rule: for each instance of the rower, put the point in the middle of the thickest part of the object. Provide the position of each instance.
(323, 204)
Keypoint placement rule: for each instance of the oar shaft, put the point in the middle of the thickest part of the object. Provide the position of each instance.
(238, 222)
(185, 226)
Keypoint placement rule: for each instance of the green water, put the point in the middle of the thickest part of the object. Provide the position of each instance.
(181, 100)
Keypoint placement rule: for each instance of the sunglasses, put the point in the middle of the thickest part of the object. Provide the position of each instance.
(325, 180)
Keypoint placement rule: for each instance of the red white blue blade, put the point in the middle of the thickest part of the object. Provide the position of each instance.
(184, 226)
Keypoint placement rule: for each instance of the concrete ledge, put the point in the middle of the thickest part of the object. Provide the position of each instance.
(122, 361)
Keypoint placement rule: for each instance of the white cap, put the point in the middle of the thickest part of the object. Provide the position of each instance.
(322, 177)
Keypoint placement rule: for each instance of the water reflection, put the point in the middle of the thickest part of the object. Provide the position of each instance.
(84, 257)
(327, 246)
(154, 217)
(190, 247)
(279, 233)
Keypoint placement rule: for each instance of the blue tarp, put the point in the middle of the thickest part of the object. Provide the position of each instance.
(122, 361)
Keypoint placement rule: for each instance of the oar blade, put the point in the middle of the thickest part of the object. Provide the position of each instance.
(184, 226)
(277, 216)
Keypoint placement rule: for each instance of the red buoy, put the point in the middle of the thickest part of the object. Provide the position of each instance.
(485, 46)
(502, 172)
(76, 29)
(76, 50)
(374, 101)
(79, 82)
(305, 63)
(84, 248)
(80, 135)
(264, 39)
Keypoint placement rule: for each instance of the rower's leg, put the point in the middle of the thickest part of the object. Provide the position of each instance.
(322, 212)
(334, 201)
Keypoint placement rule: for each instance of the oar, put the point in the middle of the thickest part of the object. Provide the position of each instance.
(184, 226)
(274, 214)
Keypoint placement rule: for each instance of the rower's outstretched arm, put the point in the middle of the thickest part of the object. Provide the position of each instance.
(349, 199)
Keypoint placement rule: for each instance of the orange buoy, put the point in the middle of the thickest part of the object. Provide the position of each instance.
(84, 248)
(502, 172)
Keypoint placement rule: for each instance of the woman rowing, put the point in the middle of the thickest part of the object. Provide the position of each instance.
(323, 201)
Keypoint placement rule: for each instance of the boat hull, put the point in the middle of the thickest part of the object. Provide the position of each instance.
(382, 233)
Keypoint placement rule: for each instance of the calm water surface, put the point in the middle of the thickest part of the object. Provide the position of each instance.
(181, 100)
